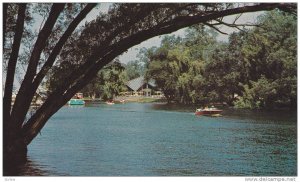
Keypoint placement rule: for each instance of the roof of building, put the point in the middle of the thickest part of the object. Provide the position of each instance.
(137, 83)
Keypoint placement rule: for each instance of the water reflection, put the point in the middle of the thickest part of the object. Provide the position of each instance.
(29, 168)
(241, 114)
(268, 116)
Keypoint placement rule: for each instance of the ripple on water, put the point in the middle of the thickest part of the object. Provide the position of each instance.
(135, 139)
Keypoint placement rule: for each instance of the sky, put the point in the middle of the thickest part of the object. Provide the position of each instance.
(131, 54)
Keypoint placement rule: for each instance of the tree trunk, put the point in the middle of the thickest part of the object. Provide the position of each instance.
(11, 68)
(26, 91)
(5, 6)
(14, 150)
(293, 102)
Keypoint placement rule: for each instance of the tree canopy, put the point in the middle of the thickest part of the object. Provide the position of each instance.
(108, 83)
(255, 69)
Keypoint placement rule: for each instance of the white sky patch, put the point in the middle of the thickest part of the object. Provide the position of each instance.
(131, 54)
(246, 18)
(92, 15)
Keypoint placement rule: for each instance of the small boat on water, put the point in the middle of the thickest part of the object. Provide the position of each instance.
(76, 102)
(110, 102)
(209, 112)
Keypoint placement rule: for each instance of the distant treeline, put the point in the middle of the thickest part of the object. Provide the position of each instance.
(256, 68)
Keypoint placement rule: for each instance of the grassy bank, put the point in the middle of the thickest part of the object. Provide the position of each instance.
(141, 99)
(130, 99)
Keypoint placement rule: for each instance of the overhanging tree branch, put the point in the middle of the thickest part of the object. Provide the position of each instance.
(11, 68)
(289, 8)
(5, 6)
(41, 40)
(51, 59)
(102, 49)
(215, 28)
(55, 52)
(19, 110)
(236, 18)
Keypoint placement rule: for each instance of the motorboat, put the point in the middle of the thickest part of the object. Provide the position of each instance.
(212, 111)
(110, 102)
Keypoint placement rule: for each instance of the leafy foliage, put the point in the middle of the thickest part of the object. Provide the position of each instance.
(177, 65)
(270, 55)
(134, 69)
(110, 81)
(257, 68)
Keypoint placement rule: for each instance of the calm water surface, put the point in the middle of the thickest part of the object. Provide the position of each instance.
(135, 139)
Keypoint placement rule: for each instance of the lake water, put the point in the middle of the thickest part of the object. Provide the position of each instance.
(136, 139)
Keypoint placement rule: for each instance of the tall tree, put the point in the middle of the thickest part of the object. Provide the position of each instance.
(13, 61)
(14, 117)
(225, 69)
(101, 40)
(258, 64)
(270, 53)
(134, 69)
(109, 82)
(177, 66)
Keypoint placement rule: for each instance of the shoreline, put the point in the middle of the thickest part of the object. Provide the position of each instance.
(130, 99)
(140, 99)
